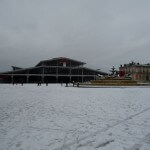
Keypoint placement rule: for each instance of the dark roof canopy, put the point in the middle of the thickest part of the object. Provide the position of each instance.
(60, 59)
(16, 68)
(60, 62)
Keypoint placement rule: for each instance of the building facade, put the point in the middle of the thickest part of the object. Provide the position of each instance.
(54, 70)
(138, 72)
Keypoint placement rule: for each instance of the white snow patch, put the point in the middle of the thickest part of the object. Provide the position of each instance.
(67, 118)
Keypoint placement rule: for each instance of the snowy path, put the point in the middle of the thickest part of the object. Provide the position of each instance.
(60, 118)
(98, 133)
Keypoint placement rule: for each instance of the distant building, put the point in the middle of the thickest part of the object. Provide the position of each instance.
(54, 70)
(138, 72)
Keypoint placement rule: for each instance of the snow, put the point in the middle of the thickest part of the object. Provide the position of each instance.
(56, 117)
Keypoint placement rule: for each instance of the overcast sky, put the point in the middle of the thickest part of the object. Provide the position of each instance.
(101, 33)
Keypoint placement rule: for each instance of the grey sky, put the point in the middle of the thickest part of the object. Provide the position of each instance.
(102, 33)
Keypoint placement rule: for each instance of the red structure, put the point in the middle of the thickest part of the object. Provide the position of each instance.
(138, 72)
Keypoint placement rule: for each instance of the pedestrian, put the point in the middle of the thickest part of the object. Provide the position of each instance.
(66, 84)
(22, 82)
(78, 84)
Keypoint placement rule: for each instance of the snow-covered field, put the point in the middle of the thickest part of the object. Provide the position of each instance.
(68, 118)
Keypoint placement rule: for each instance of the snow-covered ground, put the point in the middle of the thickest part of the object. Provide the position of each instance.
(67, 118)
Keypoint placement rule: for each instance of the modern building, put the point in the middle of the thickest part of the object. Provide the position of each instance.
(138, 72)
(54, 70)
